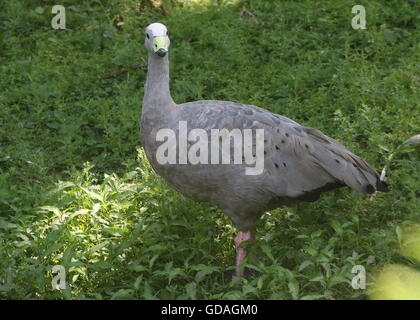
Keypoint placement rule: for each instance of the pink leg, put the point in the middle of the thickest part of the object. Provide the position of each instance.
(241, 252)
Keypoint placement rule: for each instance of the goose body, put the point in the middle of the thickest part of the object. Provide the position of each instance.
(299, 162)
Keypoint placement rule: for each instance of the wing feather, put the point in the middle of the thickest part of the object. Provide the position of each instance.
(300, 162)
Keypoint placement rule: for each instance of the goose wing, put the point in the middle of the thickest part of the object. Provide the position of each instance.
(299, 162)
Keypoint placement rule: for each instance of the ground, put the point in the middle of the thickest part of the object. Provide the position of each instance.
(77, 191)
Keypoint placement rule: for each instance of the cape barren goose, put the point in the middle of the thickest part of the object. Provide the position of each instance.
(299, 163)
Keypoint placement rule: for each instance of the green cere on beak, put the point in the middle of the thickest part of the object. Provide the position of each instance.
(159, 43)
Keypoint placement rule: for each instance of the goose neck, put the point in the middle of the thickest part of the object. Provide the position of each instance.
(157, 93)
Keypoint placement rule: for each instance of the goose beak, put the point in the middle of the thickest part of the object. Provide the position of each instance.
(160, 46)
(161, 52)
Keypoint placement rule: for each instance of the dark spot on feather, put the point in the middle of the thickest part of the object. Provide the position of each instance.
(278, 130)
(276, 165)
(282, 141)
(287, 134)
(284, 164)
(306, 146)
(276, 121)
(337, 161)
(265, 152)
(277, 148)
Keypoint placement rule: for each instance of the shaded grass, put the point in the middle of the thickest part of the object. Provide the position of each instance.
(75, 191)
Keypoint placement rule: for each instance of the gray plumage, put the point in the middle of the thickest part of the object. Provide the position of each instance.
(299, 162)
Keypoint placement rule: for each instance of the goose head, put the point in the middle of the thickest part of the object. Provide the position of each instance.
(157, 40)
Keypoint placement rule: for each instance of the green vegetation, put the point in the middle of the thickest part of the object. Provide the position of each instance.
(76, 189)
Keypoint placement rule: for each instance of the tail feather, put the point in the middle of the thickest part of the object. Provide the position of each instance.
(345, 166)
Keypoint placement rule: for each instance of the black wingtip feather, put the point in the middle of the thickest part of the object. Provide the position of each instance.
(314, 195)
(370, 189)
(381, 186)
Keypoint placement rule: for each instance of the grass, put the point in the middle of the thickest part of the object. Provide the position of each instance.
(76, 189)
